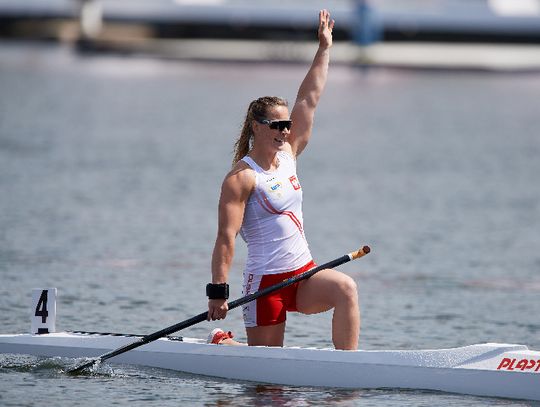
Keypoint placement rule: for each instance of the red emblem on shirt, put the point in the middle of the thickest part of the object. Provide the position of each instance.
(295, 183)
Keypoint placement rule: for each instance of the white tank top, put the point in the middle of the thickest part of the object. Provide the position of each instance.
(273, 223)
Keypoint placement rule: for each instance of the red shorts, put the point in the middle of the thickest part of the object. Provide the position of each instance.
(270, 309)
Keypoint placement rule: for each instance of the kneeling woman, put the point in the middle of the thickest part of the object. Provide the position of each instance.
(261, 198)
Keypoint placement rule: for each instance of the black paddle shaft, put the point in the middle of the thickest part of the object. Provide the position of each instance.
(233, 304)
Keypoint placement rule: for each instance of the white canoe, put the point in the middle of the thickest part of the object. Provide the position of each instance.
(495, 370)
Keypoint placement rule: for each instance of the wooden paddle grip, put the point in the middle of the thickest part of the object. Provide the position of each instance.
(359, 253)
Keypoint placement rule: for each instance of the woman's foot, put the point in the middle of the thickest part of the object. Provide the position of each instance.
(218, 335)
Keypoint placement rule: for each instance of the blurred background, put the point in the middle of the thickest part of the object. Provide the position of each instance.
(428, 32)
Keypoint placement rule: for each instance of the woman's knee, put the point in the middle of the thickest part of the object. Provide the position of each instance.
(326, 291)
(348, 288)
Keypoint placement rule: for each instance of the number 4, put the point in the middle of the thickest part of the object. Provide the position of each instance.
(41, 308)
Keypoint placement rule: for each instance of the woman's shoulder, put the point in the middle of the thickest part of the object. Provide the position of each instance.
(241, 167)
(241, 174)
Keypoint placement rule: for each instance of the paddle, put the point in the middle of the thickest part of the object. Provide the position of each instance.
(236, 303)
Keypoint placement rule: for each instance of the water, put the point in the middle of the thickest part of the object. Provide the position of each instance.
(110, 171)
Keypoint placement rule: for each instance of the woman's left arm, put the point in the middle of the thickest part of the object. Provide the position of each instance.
(312, 87)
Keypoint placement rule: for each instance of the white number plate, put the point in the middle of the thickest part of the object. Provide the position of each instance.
(43, 311)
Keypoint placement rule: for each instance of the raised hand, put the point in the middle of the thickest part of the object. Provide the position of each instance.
(326, 25)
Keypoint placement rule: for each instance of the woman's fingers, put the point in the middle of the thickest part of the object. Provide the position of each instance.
(326, 25)
(324, 19)
(217, 310)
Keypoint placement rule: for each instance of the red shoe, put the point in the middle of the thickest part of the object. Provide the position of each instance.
(218, 335)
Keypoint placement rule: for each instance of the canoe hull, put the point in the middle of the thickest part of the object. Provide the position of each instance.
(477, 369)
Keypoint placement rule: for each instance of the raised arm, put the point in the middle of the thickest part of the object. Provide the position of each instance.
(312, 87)
(235, 192)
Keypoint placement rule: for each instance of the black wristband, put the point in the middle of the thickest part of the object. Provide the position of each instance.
(217, 291)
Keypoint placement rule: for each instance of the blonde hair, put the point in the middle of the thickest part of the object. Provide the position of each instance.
(257, 110)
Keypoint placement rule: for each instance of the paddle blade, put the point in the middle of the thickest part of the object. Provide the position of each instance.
(79, 369)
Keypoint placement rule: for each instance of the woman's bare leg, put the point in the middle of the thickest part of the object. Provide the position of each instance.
(272, 335)
(332, 289)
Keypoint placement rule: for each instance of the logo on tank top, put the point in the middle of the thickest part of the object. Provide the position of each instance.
(275, 187)
(295, 183)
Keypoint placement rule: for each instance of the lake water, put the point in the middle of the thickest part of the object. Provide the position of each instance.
(110, 170)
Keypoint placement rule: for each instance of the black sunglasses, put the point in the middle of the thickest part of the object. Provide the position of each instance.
(277, 124)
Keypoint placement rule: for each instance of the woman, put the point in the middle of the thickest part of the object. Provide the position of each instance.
(261, 198)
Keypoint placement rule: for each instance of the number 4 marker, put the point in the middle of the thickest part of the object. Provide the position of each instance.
(43, 311)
